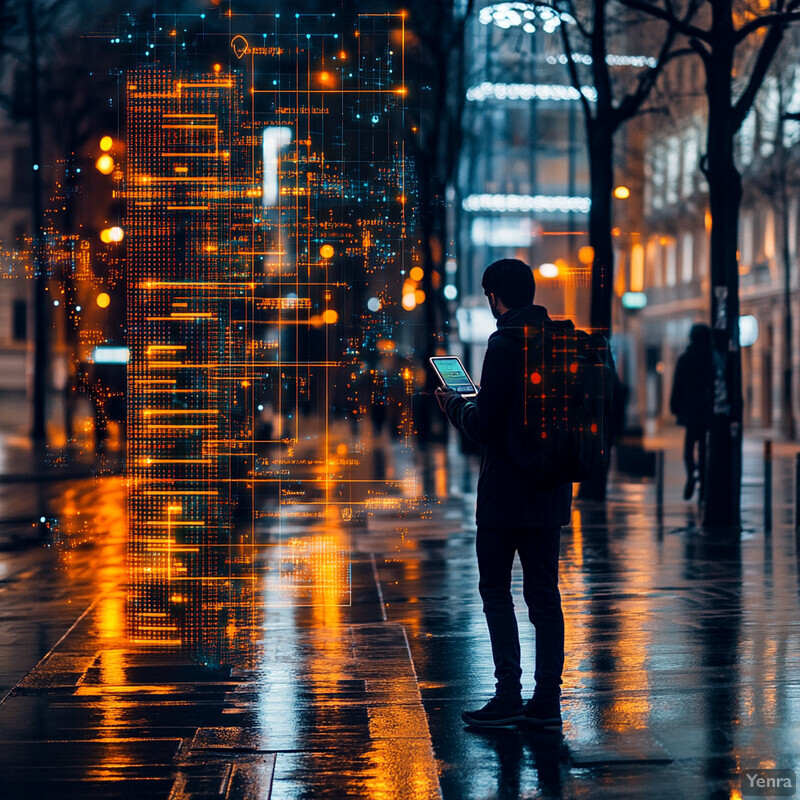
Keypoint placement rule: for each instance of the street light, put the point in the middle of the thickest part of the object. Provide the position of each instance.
(622, 192)
(105, 164)
(549, 270)
(112, 235)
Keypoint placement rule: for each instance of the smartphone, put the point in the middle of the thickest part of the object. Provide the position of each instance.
(453, 376)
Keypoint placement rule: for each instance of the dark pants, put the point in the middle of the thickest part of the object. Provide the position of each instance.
(695, 434)
(538, 550)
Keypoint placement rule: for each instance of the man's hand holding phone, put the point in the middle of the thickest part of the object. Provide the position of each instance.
(443, 395)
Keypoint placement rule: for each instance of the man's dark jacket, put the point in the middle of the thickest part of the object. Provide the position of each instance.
(692, 387)
(507, 495)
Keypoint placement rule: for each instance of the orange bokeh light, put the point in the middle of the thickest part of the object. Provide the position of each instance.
(105, 164)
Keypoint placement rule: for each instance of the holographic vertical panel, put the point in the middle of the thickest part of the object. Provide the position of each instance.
(180, 150)
(267, 233)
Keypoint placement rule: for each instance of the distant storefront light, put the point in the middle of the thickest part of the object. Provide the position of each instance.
(634, 300)
(612, 60)
(527, 91)
(748, 330)
(526, 203)
(111, 355)
(502, 232)
(450, 292)
(549, 270)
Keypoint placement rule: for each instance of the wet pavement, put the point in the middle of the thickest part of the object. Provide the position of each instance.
(682, 668)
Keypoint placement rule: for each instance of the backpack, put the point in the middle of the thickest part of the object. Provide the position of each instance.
(559, 430)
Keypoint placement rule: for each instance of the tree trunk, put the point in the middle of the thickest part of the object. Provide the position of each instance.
(431, 226)
(724, 468)
(40, 316)
(787, 398)
(789, 424)
(601, 172)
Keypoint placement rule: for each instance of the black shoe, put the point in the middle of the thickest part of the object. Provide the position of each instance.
(689, 489)
(542, 713)
(499, 712)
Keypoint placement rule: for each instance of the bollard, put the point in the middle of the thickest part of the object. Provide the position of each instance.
(660, 482)
(797, 493)
(768, 485)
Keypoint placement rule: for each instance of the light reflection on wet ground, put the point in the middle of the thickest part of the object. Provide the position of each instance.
(683, 660)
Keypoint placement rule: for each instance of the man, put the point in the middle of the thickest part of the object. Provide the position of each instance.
(690, 402)
(515, 512)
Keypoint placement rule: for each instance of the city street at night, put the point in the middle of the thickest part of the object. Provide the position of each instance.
(681, 666)
(399, 401)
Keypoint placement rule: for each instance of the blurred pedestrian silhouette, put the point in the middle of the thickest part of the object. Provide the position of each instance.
(692, 389)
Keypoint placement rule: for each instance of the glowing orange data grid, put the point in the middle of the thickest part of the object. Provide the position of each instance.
(266, 202)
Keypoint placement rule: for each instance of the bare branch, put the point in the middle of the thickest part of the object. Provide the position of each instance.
(767, 20)
(657, 110)
(679, 53)
(633, 102)
(573, 71)
(573, 12)
(701, 50)
(768, 48)
(679, 24)
(600, 72)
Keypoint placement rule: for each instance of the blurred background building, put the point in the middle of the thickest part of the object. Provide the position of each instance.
(666, 251)
(523, 182)
(520, 190)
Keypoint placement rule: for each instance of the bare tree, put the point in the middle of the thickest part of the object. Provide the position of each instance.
(736, 49)
(608, 102)
(436, 43)
(26, 25)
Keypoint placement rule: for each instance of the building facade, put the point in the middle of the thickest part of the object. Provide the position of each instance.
(669, 255)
